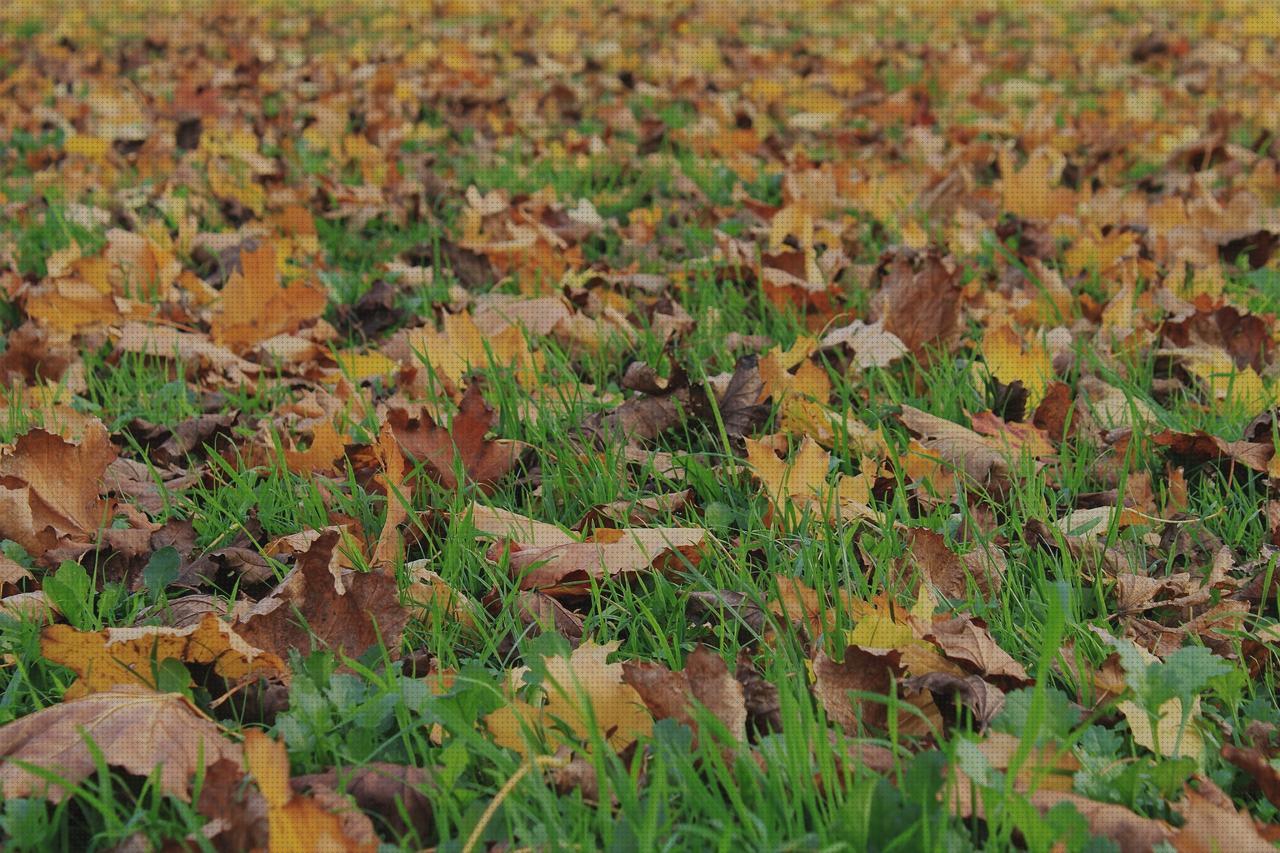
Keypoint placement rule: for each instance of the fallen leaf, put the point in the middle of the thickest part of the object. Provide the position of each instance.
(950, 572)
(705, 679)
(967, 640)
(50, 489)
(1009, 358)
(867, 671)
(297, 823)
(958, 446)
(462, 446)
(256, 305)
(1258, 766)
(919, 300)
(583, 694)
(396, 793)
(312, 608)
(138, 730)
(1170, 736)
(117, 657)
(570, 568)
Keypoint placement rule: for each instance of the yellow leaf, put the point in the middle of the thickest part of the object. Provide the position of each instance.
(878, 631)
(460, 346)
(1011, 359)
(1094, 252)
(365, 365)
(581, 690)
(86, 146)
(1239, 388)
(297, 823)
(107, 659)
(255, 305)
(1170, 738)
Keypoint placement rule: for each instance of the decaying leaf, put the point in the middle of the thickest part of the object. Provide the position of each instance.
(119, 657)
(570, 568)
(297, 822)
(950, 572)
(462, 448)
(314, 608)
(919, 299)
(705, 679)
(50, 489)
(138, 730)
(959, 448)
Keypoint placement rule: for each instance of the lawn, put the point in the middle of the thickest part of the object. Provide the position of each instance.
(639, 426)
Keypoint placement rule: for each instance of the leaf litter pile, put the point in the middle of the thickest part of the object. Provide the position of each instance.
(613, 426)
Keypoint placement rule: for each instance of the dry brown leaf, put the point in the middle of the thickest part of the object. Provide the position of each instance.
(1256, 764)
(951, 572)
(463, 445)
(919, 300)
(50, 489)
(705, 679)
(312, 608)
(1200, 445)
(326, 448)
(869, 671)
(504, 524)
(12, 576)
(801, 482)
(958, 446)
(399, 491)
(967, 640)
(427, 592)
(1211, 824)
(570, 568)
(138, 730)
(381, 789)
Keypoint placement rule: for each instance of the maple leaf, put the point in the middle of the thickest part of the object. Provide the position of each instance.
(138, 730)
(919, 300)
(327, 446)
(298, 823)
(962, 449)
(396, 793)
(1011, 359)
(442, 451)
(255, 305)
(705, 680)
(866, 671)
(664, 404)
(316, 606)
(569, 568)
(950, 572)
(505, 524)
(50, 488)
(581, 694)
(114, 657)
(801, 482)
(399, 493)
(460, 347)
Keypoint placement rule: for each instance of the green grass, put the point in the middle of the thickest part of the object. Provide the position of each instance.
(796, 788)
(686, 797)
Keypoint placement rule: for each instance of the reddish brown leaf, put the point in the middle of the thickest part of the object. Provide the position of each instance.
(464, 444)
(314, 608)
(919, 299)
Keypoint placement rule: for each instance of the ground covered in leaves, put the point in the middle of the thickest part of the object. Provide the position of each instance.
(638, 425)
